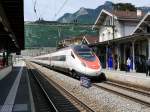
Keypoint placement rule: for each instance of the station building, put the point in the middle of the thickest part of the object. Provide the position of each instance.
(84, 39)
(122, 35)
(68, 41)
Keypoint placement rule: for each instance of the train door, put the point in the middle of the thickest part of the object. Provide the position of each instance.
(65, 62)
(71, 60)
(50, 61)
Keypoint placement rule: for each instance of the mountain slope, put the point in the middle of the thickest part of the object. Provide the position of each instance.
(44, 35)
(84, 15)
(89, 16)
(41, 34)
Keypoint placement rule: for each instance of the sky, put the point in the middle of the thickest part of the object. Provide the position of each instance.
(51, 9)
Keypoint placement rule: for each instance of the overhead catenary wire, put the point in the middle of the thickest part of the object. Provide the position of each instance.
(35, 9)
(56, 14)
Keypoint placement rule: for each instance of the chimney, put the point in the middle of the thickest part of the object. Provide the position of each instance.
(139, 13)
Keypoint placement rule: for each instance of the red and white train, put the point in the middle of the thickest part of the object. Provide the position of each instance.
(76, 59)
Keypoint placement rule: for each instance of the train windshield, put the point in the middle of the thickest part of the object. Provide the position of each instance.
(85, 52)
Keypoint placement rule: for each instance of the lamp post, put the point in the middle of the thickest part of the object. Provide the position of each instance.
(112, 26)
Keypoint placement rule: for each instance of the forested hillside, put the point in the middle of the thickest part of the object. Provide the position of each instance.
(42, 34)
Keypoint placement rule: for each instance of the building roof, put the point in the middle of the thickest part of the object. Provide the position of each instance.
(141, 36)
(77, 37)
(73, 38)
(143, 23)
(91, 39)
(127, 15)
(119, 15)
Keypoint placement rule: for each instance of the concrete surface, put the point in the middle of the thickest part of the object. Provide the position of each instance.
(135, 79)
(5, 71)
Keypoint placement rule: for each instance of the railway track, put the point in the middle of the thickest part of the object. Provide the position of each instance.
(42, 102)
(137, 90)
(53, 98)
(132, 93)
(139, 96)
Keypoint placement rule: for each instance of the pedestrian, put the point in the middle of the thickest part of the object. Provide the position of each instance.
(128, 64)
(110, 62)
(148, 67)
(115, 62)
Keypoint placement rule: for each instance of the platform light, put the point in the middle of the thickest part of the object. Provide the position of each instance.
(6, 29)
(15, 43)
(17, 46)
(10, 35)
(13, 40)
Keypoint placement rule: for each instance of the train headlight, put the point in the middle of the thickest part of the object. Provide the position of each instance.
(83, 64)
(99, 64)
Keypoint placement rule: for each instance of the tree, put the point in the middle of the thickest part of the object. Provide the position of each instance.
(124, 7)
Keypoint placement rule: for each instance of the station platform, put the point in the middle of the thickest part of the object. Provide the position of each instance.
(131, 78)
(5, 71)
(14, 90)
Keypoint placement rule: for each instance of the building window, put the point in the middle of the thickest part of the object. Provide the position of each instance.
(109, 36)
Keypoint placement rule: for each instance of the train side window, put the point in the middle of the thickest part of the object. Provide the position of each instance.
(62, 58)
(72, 55)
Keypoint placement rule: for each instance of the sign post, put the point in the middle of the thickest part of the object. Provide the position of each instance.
(85, 82)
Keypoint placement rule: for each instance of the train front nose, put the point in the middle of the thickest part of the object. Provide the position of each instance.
(93, 64)
(93, 68)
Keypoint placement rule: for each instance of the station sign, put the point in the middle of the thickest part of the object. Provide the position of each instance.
(85, 82)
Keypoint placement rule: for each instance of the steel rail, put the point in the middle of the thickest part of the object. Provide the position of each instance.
(53, 108)
(133, 89)
(65, 92)
(123, 94)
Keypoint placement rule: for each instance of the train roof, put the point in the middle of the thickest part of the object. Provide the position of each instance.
(72, 47)
(42, 56)
(66, 48)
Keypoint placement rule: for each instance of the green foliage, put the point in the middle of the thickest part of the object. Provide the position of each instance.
(124, 7)
(45, 35)
(40, 36)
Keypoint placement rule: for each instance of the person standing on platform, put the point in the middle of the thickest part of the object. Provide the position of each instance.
(148, 67)
(110, 63)
(128, 64)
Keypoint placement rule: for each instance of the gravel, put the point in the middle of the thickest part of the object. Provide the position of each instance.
(97, 99)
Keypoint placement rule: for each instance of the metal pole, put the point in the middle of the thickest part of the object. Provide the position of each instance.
(59, 35)
(148, 48)
(118, 60)
(107, 57)
(133, 55)
(113, 24)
